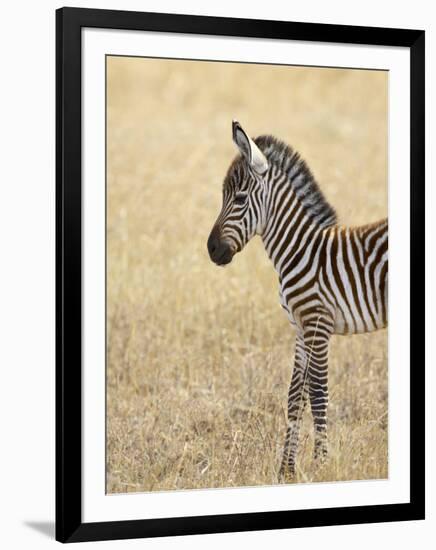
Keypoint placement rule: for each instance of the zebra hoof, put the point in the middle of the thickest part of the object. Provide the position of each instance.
(286, 474)
(320, 455)
(320, 461)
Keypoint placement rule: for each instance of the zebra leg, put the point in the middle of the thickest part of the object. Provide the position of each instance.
(297, 398)
(317, 338)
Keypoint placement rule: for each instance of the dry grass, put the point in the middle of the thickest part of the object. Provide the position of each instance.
(199, 358)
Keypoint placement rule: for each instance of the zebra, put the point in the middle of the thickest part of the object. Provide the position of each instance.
(332, 279)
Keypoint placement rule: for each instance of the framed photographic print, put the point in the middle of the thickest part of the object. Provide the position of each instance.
(230, 194)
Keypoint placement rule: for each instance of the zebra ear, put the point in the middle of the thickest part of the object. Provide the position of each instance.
(250, 151)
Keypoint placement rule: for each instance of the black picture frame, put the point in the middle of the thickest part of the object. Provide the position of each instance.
(69, 525)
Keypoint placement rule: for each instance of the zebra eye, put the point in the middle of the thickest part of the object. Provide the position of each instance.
(240, 198)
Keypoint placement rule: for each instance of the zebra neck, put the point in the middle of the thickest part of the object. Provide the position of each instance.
(290, 228)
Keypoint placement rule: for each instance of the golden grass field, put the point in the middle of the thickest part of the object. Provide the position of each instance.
(200, 357)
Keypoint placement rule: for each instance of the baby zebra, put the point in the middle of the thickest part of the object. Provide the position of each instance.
(333, 279)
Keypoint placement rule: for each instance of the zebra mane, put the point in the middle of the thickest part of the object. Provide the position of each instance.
(303, 182)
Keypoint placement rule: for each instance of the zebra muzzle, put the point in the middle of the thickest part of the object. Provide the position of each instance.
(220, 251)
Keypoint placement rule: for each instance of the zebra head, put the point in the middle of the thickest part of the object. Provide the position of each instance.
(242, 212)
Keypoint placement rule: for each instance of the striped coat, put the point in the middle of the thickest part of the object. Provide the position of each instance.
(332, 279)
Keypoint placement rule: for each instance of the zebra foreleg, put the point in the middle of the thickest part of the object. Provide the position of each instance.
(297, 398)
(317, 338)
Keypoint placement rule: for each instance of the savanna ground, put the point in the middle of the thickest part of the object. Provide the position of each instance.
(199, 357)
